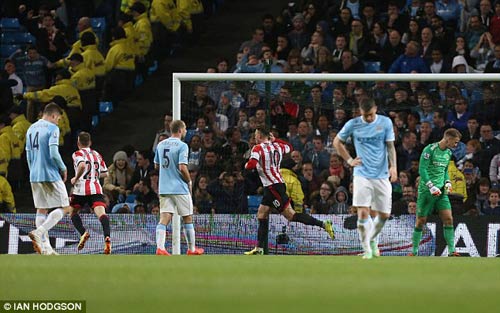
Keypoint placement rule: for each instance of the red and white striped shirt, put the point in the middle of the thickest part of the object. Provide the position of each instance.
(88, 184)
(268, 156)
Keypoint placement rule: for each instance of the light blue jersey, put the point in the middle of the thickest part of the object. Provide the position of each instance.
(169, 154)
(39, 137)
(370, 143)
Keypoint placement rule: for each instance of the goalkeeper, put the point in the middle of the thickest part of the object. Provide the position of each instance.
(434, 187)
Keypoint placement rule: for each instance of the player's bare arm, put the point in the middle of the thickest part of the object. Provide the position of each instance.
(342, 150)
(79, 172)
(393, 169)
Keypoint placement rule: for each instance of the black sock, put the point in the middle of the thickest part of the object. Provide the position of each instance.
(262, 235)
(306, 219)
(77, 222)
(105, 225)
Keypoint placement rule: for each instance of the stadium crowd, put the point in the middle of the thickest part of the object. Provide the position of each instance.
(345, 36)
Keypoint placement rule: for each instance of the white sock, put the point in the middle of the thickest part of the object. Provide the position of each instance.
(378, 224)
(364, 230)
(51, 221)
(190, 236)
(160, 236)
(39, 220)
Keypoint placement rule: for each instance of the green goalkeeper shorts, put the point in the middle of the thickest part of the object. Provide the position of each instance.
(426, 203)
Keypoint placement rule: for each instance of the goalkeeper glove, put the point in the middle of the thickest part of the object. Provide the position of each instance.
(433, 189)
(448, 187)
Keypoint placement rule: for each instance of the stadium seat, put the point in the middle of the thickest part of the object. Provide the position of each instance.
(372, 67)
(10, 24)
(7, 50)
(253, 203)
(105, 107)
(476, 96)
(17, 38)
(98, 24)
(130, 198)
(95, 121)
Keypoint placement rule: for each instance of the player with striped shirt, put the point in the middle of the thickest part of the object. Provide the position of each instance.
(89, 167)
(266, 157)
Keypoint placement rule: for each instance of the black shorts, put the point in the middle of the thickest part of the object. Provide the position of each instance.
(78, 202)
(275, 197)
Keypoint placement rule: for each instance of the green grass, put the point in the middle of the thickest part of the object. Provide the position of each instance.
(231, 284)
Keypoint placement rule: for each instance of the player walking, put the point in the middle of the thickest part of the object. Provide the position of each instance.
(171, 159)
(373, 138)
(89, 167)
(434, 187)
(266, 157)
(47, 176)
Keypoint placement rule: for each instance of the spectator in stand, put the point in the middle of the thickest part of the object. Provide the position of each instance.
(458, 117)
(322, 201)
(449, 10)
(493, 204)
(144, 193)
(336, 168)
(120, 68)
(51, 41)
(94, 61)
(410, 61)
(349, 64)
(234, 147)
(439, 121)
(494, 173)
(472, 131)
(255, 44)
(392, 49)
(145, 36)
(474, 31)
(225, 108)
(228, 194)
(167, 120)
(303, 138)
(142, 169)
(483, 51)
(424, 134)
(202, 200)
(490, 146)
(461, 48)
(395, 19)
(10, 68)
(270, 30)
(495, 24)
(407, 151)
(309, 181)
(359, 42)
(400, 206)
(298, 37)
(63, 87)
(317, 155)
(292, 182)
(84, 80)
(413, 33)
(439, 64)
(7, 201)
(119, 176)
(340, 46)
(283, 47)
(494, 65)
(34, 67)
(210, 166)
(197, 104)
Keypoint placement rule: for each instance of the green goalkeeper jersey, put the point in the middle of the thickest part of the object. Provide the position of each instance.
(433, 166)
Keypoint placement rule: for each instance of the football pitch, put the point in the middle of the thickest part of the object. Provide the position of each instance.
(222, 283)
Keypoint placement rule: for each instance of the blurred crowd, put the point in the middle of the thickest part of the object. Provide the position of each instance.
(336, 36)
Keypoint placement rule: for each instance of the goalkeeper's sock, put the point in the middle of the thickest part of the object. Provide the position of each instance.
(365, 228)
(378, 224)
(417, 237)
(160, 236)
(190, 236)
(307, 219)
(263, 233)
(77, 222)
(39, 220)
(52, 219)
(104, 219)
(449, 236)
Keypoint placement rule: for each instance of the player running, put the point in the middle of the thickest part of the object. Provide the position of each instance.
(266, 158)
(89, 167)
(434, 187)
(373, 138)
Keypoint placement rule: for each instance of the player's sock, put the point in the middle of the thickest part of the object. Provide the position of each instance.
(39, 220)
(104, 219)
(449, 236)
(160, 236)
(417, 237)
(364, 230)
(52, 219)
(77, 222)
(307, 219)
(262, 233)
(190, 236)
(378, 224)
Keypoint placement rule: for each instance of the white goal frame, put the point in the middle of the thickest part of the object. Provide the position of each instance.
(178, 78)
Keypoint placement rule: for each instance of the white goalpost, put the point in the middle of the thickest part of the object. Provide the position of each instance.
(178, 78)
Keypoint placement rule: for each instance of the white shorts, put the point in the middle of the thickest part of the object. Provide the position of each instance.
(48, 195)
(373, 193)
(182, 204)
